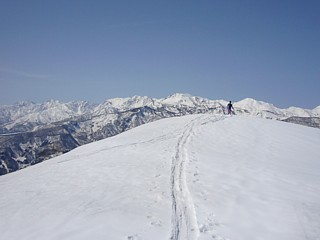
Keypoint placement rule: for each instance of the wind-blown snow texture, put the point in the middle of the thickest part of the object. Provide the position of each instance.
(193, 177)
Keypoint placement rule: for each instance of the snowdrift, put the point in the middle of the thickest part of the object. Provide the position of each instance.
(192, 177)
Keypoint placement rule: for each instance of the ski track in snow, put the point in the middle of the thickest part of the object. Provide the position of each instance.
(184, 223)
(184, 220)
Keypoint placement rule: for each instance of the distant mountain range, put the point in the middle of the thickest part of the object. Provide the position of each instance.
(31, 133)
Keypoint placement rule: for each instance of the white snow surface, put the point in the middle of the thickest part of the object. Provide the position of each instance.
(192, 177)
(316, 111)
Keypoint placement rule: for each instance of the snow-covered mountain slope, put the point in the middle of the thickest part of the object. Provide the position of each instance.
(25, 116)
(259, 108)
(31, 133)
(267, 110)
(316, 111)
(192, 177)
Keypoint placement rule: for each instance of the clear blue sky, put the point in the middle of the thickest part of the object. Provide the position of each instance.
(95, 50)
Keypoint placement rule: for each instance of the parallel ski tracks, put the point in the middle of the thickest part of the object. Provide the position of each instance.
(184, 221)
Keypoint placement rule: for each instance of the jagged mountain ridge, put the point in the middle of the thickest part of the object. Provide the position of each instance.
(24, 116)
(31, 133)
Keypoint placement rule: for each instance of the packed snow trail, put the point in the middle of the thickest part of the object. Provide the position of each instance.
(184, 220)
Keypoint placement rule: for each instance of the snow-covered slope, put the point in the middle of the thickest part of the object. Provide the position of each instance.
(260, 108)
(180, 99)
(31, 133)
(25, 116)
(316, 111)
(193, 177)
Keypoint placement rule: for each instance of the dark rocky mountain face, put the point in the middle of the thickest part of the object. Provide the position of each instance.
(24, 149)
(306, 121)
(25, 141)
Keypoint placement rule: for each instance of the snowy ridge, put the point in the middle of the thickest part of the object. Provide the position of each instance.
(255, 107)
(316, 111)
(192, 177)
(29, 114)
(32, 114)
(31, 133)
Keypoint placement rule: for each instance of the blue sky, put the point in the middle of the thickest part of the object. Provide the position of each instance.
(95, 50)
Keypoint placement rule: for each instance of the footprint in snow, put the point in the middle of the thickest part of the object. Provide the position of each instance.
(156, 223)
(134, 237)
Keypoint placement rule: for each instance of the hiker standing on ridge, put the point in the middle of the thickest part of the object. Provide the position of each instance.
(230, 108)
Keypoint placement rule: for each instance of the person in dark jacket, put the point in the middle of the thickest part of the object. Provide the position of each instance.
(230, 108)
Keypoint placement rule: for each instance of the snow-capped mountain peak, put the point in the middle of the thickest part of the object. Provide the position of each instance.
(252, 104)
(131, 102)
(316, 111)
(260, 108)
(295, 111)
(81, 107)
(182, 99)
